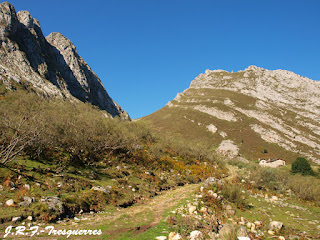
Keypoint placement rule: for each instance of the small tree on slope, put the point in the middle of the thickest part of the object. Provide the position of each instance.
(301, 165)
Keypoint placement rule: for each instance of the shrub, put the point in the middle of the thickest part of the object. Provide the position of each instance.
(74, 133)
(265, 177)
(301, 165)
(234, 194)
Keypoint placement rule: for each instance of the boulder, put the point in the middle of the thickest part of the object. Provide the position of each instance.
(270, 232)
(10, 203)
(196, 235)
(29, 199)
(174, 236)
(54, 203)
(230, 211)
(161, 238)
(24, 204)
(275, 226)
(204, 210)
(102, 189)
(258, 223)
(16, 219)
(242, 232)
(274, 198)
(192, 209)
(27, 186)
(211, 181)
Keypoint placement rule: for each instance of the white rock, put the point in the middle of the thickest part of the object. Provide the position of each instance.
(29, 218)
(258, 223)
(212, 128)
(275, 226)
(253, 227)
(174, 236)
(274, 198)
(27, 186)
(228, 148)
(192, 209)
(161, 238)
(204, 210)
(196, 235)
(10, 202)
(177, 237)
(271, 232)
(15, 219)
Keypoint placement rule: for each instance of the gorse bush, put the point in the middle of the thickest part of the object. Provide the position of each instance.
(301, 165)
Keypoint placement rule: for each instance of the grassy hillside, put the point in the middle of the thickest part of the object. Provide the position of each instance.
(87, 160)
(235, 117)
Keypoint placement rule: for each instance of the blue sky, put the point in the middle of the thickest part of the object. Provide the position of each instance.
(146, 51)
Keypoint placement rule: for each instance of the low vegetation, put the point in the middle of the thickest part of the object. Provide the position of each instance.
(89, 161)
(92, 163)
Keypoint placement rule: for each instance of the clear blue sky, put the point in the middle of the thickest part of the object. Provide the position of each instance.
(146, 51)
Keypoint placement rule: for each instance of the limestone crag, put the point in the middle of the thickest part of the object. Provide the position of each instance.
(50, 65)
(279, 106)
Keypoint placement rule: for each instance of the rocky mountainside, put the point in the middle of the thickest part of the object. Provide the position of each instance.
(254, 113)
(49, 65)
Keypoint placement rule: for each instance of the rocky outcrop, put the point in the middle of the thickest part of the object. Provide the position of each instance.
(51, 65)
(254, 107)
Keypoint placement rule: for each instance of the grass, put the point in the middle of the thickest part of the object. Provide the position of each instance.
(175, 122)
(265, 211)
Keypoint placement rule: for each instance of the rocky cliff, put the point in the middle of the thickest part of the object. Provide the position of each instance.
(255, 113)
(50, 65)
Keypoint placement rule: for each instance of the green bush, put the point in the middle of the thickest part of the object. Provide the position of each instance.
(233, 193)
(301, 165)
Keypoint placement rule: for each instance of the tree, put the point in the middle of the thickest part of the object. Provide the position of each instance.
(301, 165)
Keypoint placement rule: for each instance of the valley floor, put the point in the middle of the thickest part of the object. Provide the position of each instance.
(141, 221)
(145, 221)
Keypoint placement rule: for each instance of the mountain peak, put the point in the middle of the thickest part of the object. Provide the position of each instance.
(50, 65)
(26, 19)
(59, 40)
(253, 68)
(255, 108)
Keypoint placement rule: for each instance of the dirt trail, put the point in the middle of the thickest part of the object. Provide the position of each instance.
(155, 208)
(135, 219)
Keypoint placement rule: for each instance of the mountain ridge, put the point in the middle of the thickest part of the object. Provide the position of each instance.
(272, 107)
(51, 65)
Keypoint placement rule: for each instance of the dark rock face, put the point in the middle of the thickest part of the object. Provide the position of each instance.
(50, 65)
